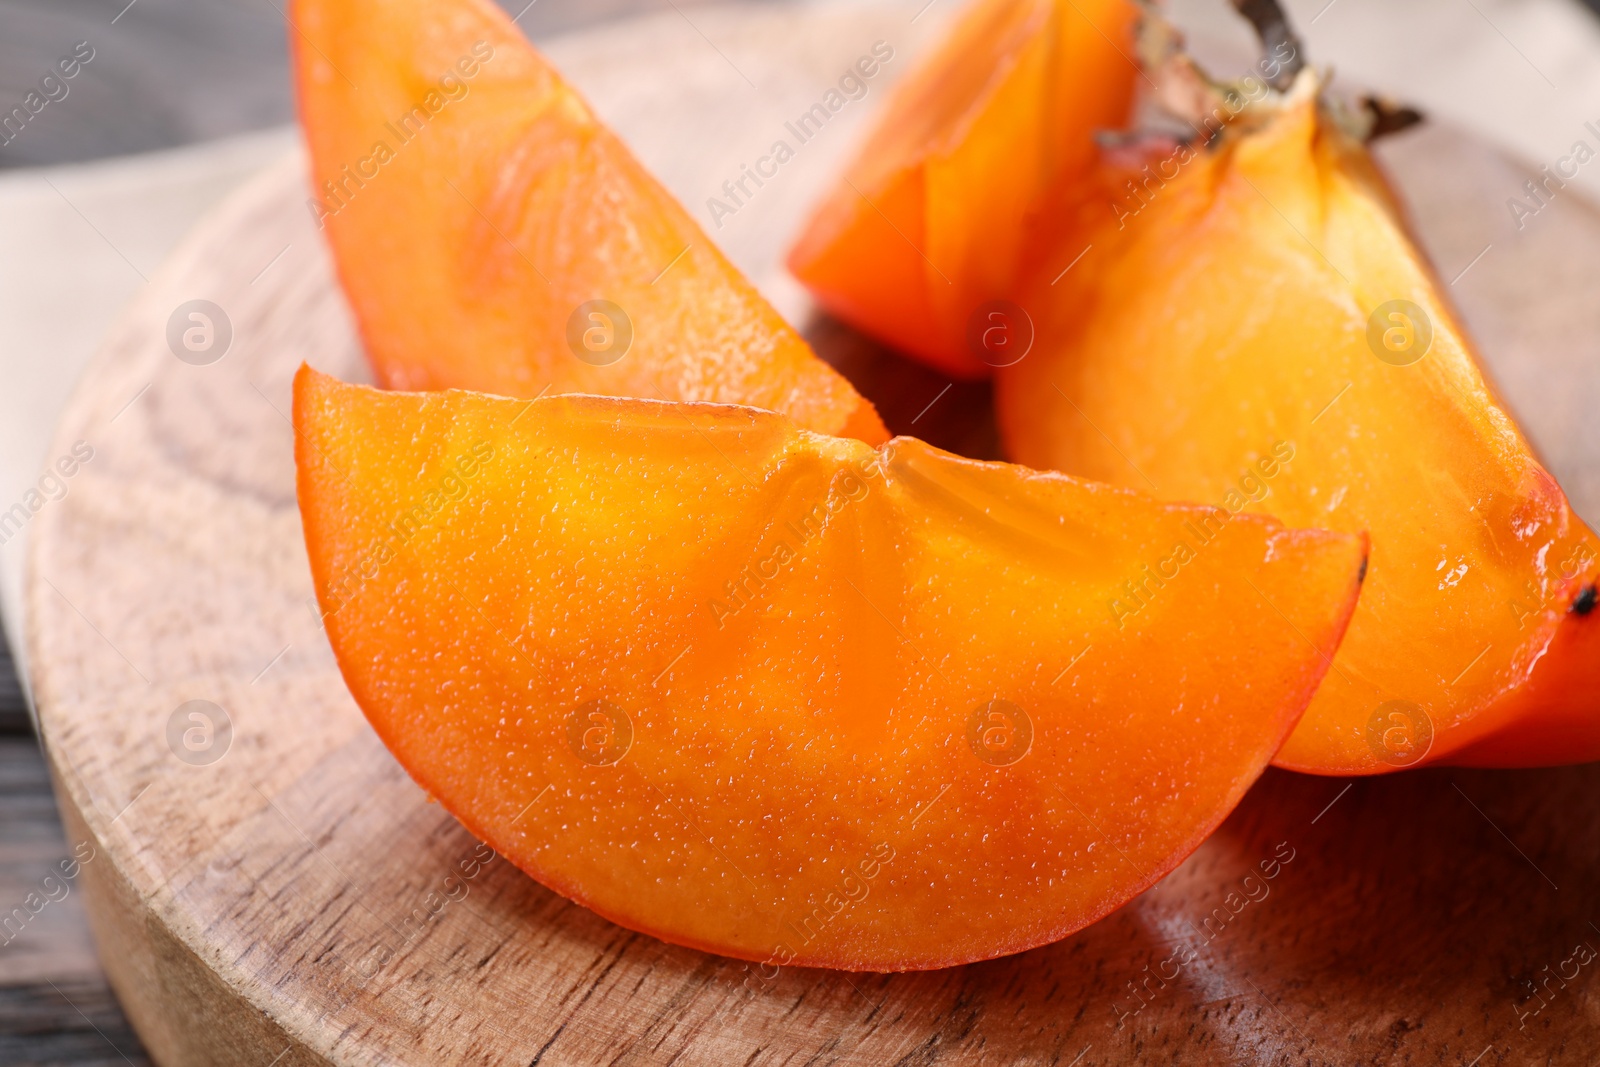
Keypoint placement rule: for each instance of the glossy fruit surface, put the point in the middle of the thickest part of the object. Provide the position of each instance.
(1254, 327)
(935, 217)
(492, 234)
(788, 698)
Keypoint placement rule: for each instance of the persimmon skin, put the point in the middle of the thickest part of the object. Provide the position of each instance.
(936, 217)
(1229, 308)
(490, 568)
(474, 203)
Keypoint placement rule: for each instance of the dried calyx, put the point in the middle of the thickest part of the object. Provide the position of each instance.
(1281, 76)
(1272, 27)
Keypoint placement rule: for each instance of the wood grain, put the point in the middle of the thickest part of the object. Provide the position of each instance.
(55, 1005)
(280, 905)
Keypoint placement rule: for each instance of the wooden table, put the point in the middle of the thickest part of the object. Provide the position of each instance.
(55, 1006)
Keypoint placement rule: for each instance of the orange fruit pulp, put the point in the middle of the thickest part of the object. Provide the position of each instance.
(789, 698)
(935, 219)
(1253, 326)
(492, 234)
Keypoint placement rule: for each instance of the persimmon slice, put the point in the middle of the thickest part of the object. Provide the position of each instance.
(934, 219)
(492, 234)
(789, 698)
(1261, 295)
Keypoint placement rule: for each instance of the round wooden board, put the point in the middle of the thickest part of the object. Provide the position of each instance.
(287, 902)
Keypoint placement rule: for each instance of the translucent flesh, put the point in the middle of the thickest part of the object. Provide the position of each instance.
(936, 215)
(1225, 309)
(474, 202)
(803, 784)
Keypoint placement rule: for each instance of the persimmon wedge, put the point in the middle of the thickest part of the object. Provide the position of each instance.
(1255, 327)
(933, 220)
(492, 234)
(788, 698)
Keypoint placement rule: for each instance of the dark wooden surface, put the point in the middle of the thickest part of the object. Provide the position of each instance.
(55, 1006)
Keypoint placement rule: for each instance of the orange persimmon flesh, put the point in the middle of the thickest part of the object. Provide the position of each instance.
(1237, 305)
(934, 218)
(727, 682)
(475, 205)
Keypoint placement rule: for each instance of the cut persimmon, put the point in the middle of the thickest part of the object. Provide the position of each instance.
(789, 698)
(1254, 327)
(492, 234)
(933, 221)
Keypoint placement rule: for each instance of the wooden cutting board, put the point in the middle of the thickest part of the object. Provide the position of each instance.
(268, 887)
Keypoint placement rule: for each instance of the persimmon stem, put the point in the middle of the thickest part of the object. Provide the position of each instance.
(1272, 27)
(1389, 117)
